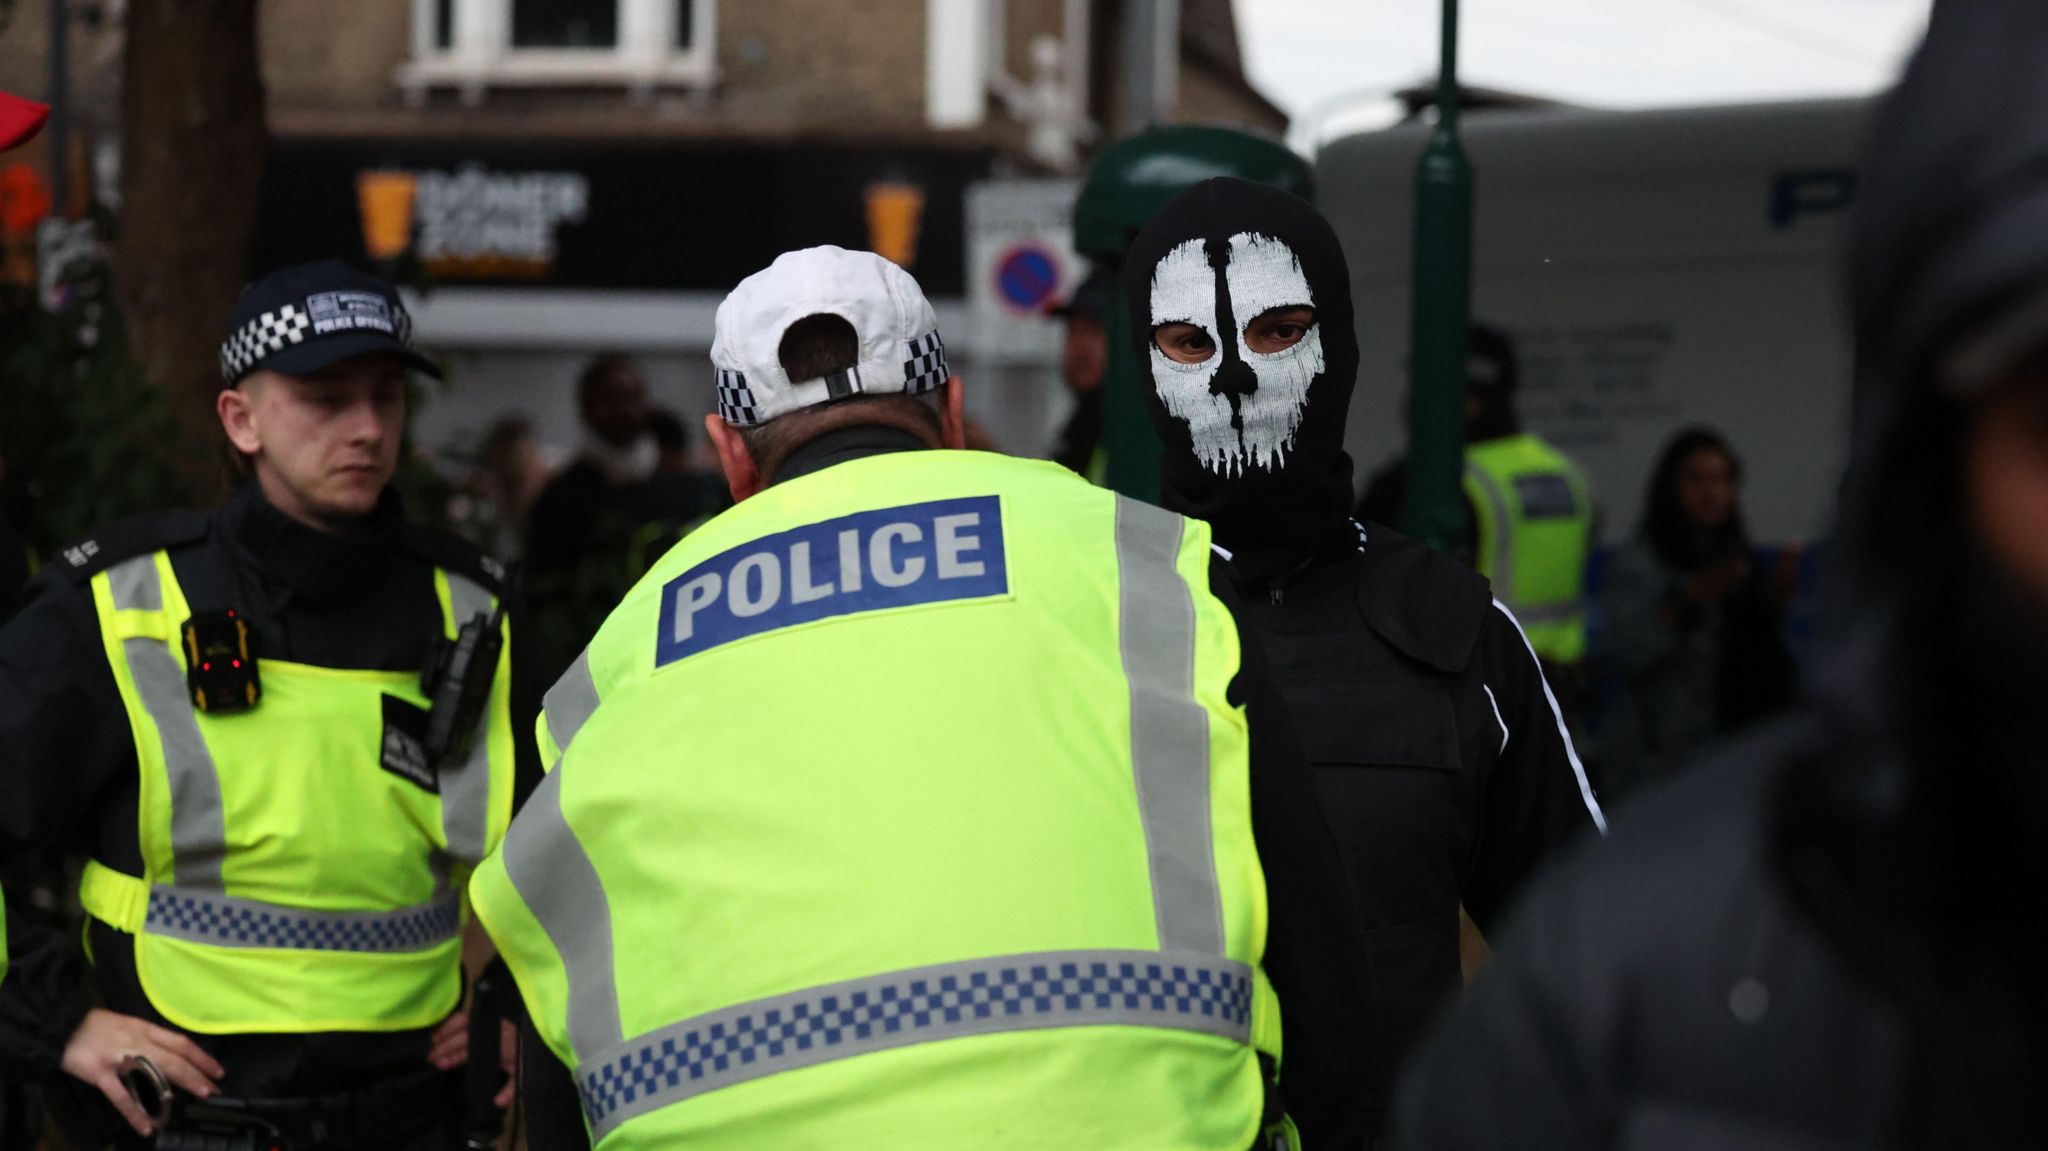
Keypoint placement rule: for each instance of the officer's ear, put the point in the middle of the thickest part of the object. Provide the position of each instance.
(953, 416)
(742, 475)
(236, 407)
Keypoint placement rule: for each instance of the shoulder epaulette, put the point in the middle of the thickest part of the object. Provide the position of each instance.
(447, 550)
(1425, 604)
(126, 539)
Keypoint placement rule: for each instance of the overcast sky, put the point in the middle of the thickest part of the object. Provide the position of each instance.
(1310, 54)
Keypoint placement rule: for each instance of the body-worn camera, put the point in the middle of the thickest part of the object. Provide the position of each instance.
(220, 670)
(457, 682)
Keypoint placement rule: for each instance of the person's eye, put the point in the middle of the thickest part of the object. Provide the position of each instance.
(1185, 343)
(1277, 331)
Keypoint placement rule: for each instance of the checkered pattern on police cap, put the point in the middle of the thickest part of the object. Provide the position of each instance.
(900, 349)
(301, 319)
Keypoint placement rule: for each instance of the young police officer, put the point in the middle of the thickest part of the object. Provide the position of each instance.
(283, 734)
(911, 802)
(1443, 763)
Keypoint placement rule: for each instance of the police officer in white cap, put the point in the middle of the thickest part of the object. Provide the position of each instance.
(924, 799)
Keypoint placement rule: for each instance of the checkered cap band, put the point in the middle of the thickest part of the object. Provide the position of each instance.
(264, 335)
(225, 921)
(925, 370)
(980, 997)
(736, 404)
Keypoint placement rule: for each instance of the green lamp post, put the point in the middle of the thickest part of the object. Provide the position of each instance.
(1442, 315)
(1126, 185)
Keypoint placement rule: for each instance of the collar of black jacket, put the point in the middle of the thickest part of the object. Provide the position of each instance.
(320, 566)
(842, 444)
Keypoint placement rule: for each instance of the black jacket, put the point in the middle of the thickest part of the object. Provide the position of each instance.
(1443, 766)
(1314, 949)
(68, 775)
(1825, 938)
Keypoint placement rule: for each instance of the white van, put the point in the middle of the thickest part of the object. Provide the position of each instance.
(1655, 269)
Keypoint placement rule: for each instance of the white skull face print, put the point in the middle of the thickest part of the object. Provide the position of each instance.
(1235, 422)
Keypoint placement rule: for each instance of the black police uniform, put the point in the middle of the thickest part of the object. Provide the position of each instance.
(1442, 761)
(363, 599)
(68, 773)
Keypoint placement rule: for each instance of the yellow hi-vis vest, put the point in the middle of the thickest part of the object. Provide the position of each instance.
(901, 806)
(1534, 522)
(290, 882)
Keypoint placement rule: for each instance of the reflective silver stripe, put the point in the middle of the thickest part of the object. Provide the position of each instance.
(560, 886)
(466, 783)
(1503, 574)
(569, 704)
(223, 921)
(1169, 727)
(1564, 611)
(135, 585)
(1200, 993)
(198, 829)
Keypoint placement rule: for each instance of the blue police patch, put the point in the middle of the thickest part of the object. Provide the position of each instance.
(891, 557)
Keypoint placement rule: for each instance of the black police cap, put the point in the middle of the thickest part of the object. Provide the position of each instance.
(301, 319)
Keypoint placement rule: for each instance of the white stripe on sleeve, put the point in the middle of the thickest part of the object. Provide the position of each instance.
(1572, 753)
(1496, 717)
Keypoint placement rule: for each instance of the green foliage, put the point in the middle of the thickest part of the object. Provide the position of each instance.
(83, 438)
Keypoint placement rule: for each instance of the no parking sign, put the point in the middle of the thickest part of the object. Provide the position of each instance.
(1020, 262)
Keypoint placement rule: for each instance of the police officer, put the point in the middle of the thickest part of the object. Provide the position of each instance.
(1442, 759)
(283, 733)
(1529, 509)
(911, 802)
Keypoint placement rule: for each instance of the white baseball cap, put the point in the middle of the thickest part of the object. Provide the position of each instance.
(900, 350)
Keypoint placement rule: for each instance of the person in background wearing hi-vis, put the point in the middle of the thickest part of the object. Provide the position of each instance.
(1530, 526)
(925, 799)
(282, 733)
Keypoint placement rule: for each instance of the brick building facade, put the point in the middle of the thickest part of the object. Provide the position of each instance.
(559, 177)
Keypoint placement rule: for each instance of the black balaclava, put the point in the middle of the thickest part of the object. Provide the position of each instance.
(1254, 444)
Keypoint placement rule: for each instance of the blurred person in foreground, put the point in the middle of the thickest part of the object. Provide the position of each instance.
(1443, 763)
(926, 799)
(1827, 937)
(1529, 525)
(231, 715)
(20, 120)
(1694, 632)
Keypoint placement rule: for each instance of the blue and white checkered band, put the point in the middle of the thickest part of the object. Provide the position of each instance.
(1205, 994)
(925, 370)
(260, 337)
(226, 921)
(736, 404)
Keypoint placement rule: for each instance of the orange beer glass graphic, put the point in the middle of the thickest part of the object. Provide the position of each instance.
(895, 213)
(385, 199)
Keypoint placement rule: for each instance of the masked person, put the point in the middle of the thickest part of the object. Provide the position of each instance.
(282, 733)
(1442, 761)
(925, 799)
(1825, 937)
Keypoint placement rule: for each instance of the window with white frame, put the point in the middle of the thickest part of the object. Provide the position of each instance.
(478, 44)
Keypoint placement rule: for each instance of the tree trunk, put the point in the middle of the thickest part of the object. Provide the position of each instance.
(192, 140)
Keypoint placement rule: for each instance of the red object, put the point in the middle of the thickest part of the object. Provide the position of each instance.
(23, 199)
(20, 120)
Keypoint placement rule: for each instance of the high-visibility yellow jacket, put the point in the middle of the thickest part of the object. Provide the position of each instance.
(901, 806)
